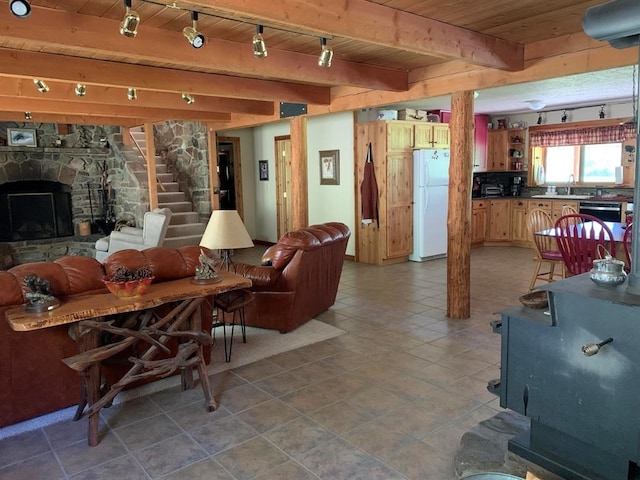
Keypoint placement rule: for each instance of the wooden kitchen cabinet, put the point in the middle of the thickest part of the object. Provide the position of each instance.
(431, 135)
(556, 208)
(392, 146)
(479, 221)
(506, 149)
(499, 221)
(519, 223)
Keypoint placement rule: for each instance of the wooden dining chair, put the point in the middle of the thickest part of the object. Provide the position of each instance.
(568, 210)
(627, 241)
(579, 238)
(545, 248)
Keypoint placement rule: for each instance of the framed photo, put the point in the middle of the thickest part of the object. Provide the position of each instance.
(263, 165)
(330, 167)
(21, 137)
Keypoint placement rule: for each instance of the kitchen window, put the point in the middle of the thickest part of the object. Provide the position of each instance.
(587, 163)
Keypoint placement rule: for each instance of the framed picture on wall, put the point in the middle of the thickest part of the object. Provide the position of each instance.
(330, 167)
(21, 137)
(263, 165)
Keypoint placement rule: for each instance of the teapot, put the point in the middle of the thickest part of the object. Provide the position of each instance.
(607, 271)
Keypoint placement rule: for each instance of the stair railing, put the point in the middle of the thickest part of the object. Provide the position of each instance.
(142, 154)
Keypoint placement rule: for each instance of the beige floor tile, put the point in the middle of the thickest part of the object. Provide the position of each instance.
(341, 417)
(23, 446)
(288, 471)
(242, 397)
(223, 434)
(206, 469)
(125, 467)
(310, 398)
(299, 436)
(146, 432)
(169, 455)
(269, 415)
(338, 460)
(192, 416)
(282, 383)
(80, 456)
(39, 467)
(249, 459)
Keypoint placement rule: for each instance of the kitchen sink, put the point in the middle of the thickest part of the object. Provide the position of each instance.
(563, 197)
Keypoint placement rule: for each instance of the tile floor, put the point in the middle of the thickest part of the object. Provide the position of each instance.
(388, 400)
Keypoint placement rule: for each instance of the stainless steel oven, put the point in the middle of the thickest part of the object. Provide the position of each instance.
(606, 211)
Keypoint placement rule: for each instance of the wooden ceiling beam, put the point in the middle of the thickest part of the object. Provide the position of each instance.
(18, 117)
(51, 67)
(24, 88)
(116, 111)
(95, 36)
(367, 21)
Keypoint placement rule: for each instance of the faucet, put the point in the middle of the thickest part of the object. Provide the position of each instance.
(571, 181)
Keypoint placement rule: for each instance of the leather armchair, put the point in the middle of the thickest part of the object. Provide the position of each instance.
(151, 234)
(298, 278)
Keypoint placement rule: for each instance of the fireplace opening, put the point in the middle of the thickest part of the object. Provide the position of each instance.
(35, 210)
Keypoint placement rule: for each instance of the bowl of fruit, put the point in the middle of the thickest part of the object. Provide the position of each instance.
(127, 283)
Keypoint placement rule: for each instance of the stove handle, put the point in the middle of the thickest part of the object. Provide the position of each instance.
(590, 349)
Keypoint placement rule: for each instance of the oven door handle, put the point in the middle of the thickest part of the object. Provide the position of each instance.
(602, 209)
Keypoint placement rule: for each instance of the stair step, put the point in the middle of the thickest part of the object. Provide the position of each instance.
(169, 186)
(181, 218)
(170, 197)
(177, 206)
(165, 177)
(185, 229)
(177, 242)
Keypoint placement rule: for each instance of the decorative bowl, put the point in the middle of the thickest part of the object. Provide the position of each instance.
(129, 289)
(537, 299)
(607, 279)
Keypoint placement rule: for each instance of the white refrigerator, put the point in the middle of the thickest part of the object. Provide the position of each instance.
(430, 200)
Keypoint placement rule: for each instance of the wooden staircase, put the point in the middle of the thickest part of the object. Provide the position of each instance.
(184, 227)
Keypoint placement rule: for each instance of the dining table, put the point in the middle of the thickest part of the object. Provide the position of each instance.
(168, 310)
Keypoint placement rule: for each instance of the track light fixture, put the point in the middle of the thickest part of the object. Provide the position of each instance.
(564, 116)
(539, 122)
(601, 114)
(324, 60)
(195, 38)
(132, 94)
(41, 86)
(27, 115)
(188, 98)
(20, 8)
(130, 22)
(81, 90)
(259, 47)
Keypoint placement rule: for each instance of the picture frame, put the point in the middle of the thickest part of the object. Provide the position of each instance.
(21, 137)
(263, 169)
(330, 167)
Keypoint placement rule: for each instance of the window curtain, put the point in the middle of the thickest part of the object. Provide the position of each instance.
(582, 136)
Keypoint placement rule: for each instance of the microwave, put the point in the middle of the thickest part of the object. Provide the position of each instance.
(492, 190)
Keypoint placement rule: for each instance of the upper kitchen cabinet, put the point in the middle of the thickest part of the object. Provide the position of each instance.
(400, 135)
(507, 149)
(431, 135)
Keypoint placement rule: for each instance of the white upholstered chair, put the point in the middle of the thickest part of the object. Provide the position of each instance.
(151, 234)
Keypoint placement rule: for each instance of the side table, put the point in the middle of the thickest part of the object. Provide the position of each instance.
(232, 303)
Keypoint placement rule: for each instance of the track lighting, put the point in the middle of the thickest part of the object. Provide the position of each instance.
(259, 47)
(539, 122)
(130, 22)
(564, 116)
(195, 38)
(27, 115)
(41, 86)
(188, 98)
(81, 90)
(601, 114)
(324, 60)
(132, 94)
(20, 8)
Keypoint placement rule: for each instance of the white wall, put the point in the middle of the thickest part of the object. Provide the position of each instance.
(327, 203)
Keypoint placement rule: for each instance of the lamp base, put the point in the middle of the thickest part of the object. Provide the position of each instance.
(206, 281)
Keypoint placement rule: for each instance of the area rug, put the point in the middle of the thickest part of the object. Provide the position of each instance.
(261, 344)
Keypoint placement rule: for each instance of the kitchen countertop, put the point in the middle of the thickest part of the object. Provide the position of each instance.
(617, 198)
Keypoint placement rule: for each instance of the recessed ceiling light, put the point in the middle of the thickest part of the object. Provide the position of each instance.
(20, 8)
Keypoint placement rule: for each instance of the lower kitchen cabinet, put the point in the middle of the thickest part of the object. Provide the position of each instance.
(519, 220)
(499, 220)
(479, 221)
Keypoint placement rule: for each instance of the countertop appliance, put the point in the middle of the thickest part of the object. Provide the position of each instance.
(492, 190)
(605, 211)
(516, 186)
(430, 198)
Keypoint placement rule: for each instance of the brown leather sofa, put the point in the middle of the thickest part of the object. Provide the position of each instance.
(298, 278)
(33, 379)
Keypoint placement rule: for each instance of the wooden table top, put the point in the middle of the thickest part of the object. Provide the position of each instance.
(83, 307)
(616, 228)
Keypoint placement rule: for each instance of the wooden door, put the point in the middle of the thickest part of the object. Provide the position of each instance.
(230, 147)
(283, 184)
(479, 220)
(423, 136)
(399, 204)
(399, 136)
(519, 220)
(499, 220)
(497, 150)
(440, 136)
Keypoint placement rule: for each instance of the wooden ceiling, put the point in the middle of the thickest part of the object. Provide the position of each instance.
(379, 47)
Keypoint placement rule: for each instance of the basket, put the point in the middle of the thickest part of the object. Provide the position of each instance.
(537, 299)
(132, 288)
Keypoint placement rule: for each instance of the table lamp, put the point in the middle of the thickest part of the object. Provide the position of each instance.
(225, 232)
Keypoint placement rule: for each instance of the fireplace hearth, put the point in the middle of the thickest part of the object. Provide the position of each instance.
(35, 210)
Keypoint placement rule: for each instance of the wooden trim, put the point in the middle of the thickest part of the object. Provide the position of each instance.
(558, 127)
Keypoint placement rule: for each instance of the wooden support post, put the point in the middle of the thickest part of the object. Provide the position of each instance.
(152, 177)
(299, 186)
(459, 218)
(214, 187)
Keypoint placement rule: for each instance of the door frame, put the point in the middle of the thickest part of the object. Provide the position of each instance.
(283, 204)
(237, 169)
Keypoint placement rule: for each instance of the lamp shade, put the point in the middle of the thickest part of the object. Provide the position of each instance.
(225, 231)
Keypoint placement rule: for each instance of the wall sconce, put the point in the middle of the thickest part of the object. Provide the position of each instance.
(27, 115)
(188, 98)
(41, 86)
(132, 94)
(601, 114)
(20, 8)
(259, 47)
(81, 90)
(564, 117)
(324, 60)
(130, 22)
(195, 38)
